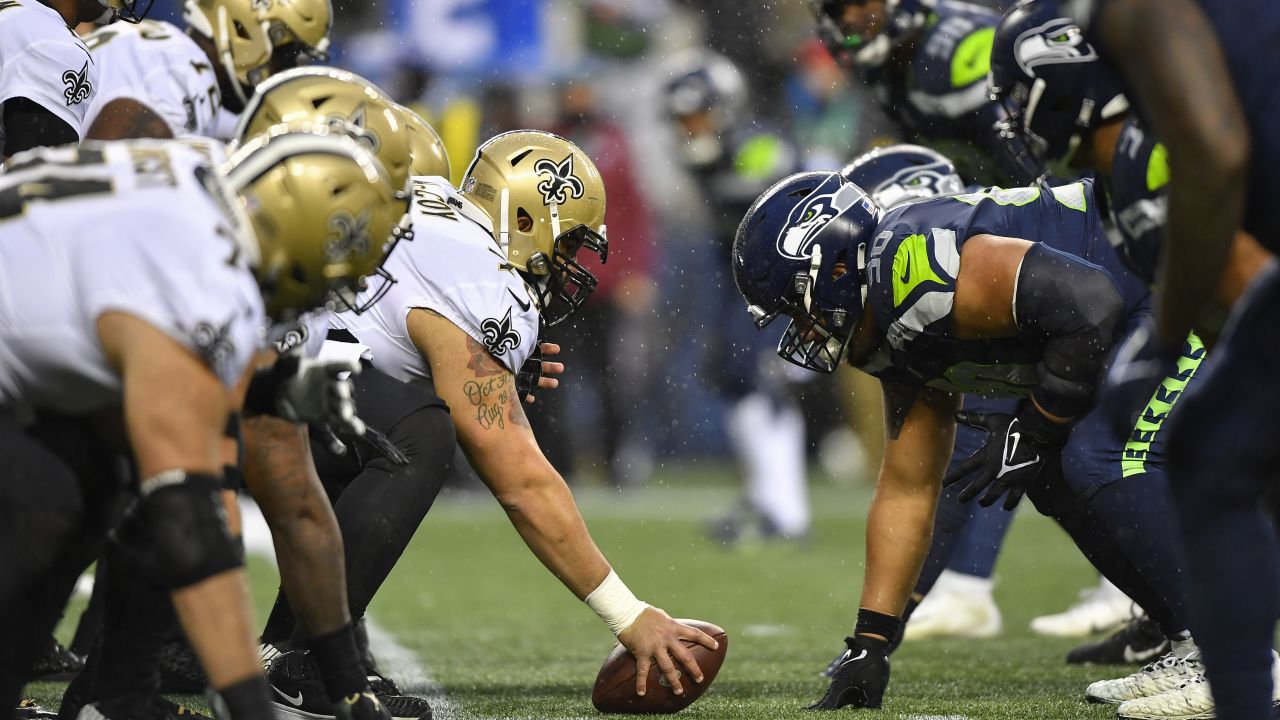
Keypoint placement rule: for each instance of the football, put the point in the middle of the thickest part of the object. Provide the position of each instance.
(615, 688)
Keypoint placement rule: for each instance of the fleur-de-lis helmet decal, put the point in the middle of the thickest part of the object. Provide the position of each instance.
(560, 181)
(546, 201)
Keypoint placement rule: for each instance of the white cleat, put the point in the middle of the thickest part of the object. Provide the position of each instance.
(1191, 700)
(958, 606)
(1100, 609)
(1161, 676)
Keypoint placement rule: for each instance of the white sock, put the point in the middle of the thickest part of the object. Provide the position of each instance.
(770, 442)
(962, 584)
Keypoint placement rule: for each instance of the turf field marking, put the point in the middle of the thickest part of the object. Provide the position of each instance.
(766, 630)
(403, 666)
(935, 717)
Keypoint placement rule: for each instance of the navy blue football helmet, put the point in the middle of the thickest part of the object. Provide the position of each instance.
(801, 251)
(902, 173)
(1050, 80)
(862, 49)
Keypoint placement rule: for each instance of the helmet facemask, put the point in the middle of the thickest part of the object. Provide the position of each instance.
(127, 10)
(560, 284)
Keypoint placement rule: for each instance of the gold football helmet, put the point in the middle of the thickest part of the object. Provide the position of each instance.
(257, 38)
(337, 98)
(426, 149)
(545, 199)
(323, 210)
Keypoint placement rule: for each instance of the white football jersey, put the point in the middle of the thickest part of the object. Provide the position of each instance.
(156, 64)
(44, 61)
(454, 267)
(143, 227)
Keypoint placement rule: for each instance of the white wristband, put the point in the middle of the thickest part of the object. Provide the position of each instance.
(615, 604)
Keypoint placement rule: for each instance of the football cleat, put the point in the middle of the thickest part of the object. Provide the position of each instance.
(860, 678)
(56, 663)
(132, 707)
(180, 669)
(949, 611)
(296, 689)
(1141, 641)
(29, 710)
(399, 705)
(1100, 609)
(1154, 678)
(361, 706)
(1190, 700)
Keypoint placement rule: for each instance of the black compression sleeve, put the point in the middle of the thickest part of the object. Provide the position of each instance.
(1078, 309)
(29, 125)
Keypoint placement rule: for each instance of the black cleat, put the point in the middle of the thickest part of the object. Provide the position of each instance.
(133, 707)
(1137, 643)
(361, 706)
(29, 710)
(831, 668)
(56, 663)
(861, 677)
(296, 689)
(398, 704)
(180, 670)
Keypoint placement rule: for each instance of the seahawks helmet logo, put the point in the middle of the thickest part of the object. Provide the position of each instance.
(78, 86)
(917, 181)
(1057, 41)
(349, 235)
(499, 337)
(808, 218)
(558, 181)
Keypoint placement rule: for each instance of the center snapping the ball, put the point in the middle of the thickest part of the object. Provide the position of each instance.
(615, 688)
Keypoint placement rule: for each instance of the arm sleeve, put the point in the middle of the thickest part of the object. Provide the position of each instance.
(1077, 308)
(29, 125)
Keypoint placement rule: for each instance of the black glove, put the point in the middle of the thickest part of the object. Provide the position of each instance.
(1017, 450)
(861, 677)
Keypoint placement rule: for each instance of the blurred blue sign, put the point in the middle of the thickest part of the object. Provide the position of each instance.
(501, 36)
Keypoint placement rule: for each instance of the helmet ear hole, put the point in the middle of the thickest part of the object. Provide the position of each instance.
(841, 265)
(524, 221)
(297, 273)
(241, 32)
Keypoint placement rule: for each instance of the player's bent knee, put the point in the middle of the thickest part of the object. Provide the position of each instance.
(178, 533)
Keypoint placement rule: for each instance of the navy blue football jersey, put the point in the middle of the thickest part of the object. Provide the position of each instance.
(912, 270)
(941, 99)
(1137, 185)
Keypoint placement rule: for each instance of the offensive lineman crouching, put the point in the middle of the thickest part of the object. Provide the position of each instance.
(89, 323)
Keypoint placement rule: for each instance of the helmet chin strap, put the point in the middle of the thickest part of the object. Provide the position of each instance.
(555, 222)
(815, 262)
(504, 231)
(862, 271)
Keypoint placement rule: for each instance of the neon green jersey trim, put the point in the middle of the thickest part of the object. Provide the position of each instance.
(911, 267)
(1158, 168)
(1136, 449)
(972, 60)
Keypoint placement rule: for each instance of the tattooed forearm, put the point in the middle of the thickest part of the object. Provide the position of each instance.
(489, 399)
(482, 362)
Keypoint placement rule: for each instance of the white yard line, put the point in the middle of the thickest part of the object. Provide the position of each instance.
(402, 665)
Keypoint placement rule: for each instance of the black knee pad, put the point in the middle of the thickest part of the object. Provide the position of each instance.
(177, 534)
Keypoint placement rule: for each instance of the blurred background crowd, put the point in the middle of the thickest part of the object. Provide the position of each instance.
(654, 360)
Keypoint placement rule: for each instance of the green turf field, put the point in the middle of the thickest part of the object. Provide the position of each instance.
(505, 640)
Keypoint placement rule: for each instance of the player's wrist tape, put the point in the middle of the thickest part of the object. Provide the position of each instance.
(871, 622)
(616, 605)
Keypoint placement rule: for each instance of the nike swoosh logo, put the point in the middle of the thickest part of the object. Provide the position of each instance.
(854, 659)
(297, 701)
(1140, 656)
(523, 305)
(906, 270)
(1011, 447)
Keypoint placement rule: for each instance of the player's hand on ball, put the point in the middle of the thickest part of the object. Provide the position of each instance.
(861, 676)
(655, 638)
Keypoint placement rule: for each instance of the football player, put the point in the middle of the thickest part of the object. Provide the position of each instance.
(490, 262)
(380, 504)
(47, 76)
(158, 81)
(946, 296)
(733, 158)
(1205, 77)
(927, 61)
(274, 466)
(966, 539)
(91, 324)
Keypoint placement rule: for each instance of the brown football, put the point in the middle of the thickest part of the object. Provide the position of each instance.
(615, 688)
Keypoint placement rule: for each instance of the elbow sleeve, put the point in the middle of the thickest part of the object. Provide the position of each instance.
(1075, 305)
